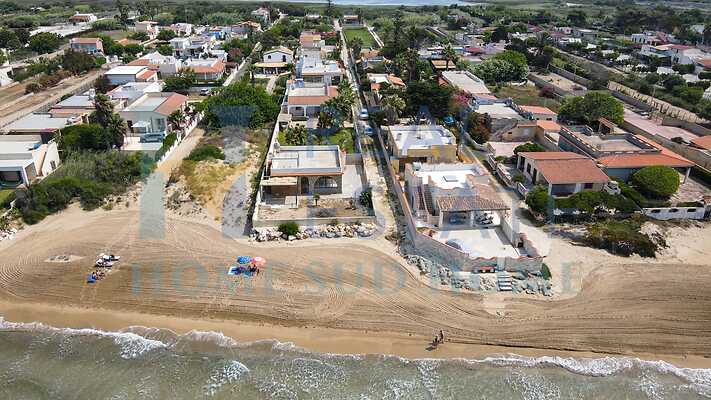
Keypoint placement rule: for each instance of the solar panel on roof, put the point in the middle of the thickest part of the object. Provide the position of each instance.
(450, 178)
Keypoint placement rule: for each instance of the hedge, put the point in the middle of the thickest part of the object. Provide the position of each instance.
(168, 142)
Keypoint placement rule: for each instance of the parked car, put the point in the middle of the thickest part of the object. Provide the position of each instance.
(368, 130)
(363, 114)
(205, 92)
(449, 120)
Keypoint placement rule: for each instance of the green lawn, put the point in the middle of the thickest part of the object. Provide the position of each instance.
(527, 96)
(4, 194)
(343, 138)
(363, 34)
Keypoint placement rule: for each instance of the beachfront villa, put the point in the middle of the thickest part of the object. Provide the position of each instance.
(291, 171)
(619, 152)
(420, 143)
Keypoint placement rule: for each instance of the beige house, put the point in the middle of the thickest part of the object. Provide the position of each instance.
(420, 143)
(564, 173)
(303, 170)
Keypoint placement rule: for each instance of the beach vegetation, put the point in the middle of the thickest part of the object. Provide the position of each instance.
(624, 237)
(289, 228)
(206, 152)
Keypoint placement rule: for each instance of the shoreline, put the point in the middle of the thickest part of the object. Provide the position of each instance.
(311, 338)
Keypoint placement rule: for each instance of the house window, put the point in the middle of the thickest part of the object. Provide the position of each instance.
(269, 57)
(326, 182)
(53, 165)
(588, 186)
(528, 168)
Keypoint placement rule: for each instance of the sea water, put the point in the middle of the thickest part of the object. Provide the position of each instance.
(41, 362)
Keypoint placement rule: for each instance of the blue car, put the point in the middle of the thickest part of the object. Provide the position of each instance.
(449, 120)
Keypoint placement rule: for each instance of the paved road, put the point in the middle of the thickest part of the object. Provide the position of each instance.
(372, 158)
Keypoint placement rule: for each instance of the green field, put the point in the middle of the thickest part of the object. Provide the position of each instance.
(363, 34)
(527, 96)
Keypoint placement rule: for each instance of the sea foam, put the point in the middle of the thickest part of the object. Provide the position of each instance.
(130, 344)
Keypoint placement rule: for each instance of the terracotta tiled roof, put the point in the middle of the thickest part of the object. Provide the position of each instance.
(552, 155)
(643, 160)
(706, 63)
(548, 125)
(703, 142)
(172, 103)
(484, 199)
(216, 67)
(571, 170)
(537, 110)
(86, 40)
(145, 75)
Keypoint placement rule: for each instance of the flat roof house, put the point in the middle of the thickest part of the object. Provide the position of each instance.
(304, 100)
(312, 68)
(128, 92)
(420, 143)
(465, 81)
(303, 170)
(87, 45)
(24, 158)
(276, 60)
(43, 124)
(164, 65)
(564, 173)
(130, 73)
(149, 113)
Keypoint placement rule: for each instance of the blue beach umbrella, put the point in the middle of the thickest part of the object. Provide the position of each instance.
(244, 259)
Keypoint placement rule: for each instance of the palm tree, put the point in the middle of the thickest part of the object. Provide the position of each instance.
(449, 55)
(252, 69)
(411, 58)
(356, 46)
(176, 118)
(393, 105)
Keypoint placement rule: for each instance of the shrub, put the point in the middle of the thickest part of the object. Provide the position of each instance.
(545, 272)
(623, 238)
(656, 181)
(528, 148)
(538, 199)
(206, 152)
(366, 198)
(290, 228)
(33, 87)
(168, 142)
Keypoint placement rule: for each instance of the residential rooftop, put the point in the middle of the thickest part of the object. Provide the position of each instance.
(465, 81)
(408, 137)
(305, 160)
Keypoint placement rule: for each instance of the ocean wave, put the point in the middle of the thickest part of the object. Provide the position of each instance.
(131, 345)
(605, 366)
(225, 375)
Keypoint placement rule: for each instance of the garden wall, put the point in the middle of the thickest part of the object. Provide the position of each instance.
(573, 77)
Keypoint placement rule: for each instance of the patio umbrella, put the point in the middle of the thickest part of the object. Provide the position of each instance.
(259, 261)
(244, 259)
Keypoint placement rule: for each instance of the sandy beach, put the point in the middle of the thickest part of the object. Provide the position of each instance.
(323, 340)
(349, 297)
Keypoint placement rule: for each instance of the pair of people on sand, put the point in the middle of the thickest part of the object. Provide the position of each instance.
(439, 338)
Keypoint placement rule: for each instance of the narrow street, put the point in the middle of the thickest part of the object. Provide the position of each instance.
(373, 163)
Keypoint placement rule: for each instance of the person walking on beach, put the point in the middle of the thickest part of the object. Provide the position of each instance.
(441, 336)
